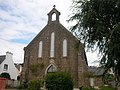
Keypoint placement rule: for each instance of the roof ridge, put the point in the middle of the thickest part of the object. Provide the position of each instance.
(2, 58)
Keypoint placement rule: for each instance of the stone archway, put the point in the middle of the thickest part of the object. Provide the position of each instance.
(51, 68)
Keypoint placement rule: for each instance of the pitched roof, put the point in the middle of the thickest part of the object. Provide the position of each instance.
(96, 70)
(2, 58)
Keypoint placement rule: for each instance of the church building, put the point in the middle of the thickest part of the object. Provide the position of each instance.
(55, 49)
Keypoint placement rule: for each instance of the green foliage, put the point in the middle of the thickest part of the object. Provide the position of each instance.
(98, 25)
(23, 85)
(88, 88)
(106, 88)
(108, 78)
(5, 75)
(114, 49)
(59, 81)
(94, 20)
(36, 67)
(34, 85)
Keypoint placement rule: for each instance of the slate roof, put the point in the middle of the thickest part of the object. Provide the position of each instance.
(2, 58)
(98, 71)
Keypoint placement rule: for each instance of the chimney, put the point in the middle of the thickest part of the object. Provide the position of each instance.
(9, 55)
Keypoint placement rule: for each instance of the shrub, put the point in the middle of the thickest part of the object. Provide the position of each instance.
(85, 88)
(5, 75)
(59, 81)
(34, 85)
(23, 85)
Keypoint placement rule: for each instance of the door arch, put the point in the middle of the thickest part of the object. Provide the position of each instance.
(51, 68)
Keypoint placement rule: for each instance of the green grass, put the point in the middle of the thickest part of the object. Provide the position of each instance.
(100, 88)
(106, 88)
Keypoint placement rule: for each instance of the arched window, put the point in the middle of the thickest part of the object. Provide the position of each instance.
(54, 17)
(40, 49)
(52, 44)
(64, 48)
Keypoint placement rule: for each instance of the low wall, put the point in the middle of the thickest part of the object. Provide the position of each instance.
(12, 83)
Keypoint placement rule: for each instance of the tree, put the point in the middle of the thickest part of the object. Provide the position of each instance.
(98, 25)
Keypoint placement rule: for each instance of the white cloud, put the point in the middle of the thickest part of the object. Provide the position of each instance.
(93, 58)
(21, 20)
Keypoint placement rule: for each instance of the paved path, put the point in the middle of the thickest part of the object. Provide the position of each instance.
(15, 89)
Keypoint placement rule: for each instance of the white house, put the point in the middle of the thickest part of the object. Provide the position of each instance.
(7, 65)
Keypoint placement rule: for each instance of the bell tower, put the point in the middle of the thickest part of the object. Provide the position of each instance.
(51, 13)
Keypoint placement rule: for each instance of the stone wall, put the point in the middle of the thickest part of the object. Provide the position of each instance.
(72, 63)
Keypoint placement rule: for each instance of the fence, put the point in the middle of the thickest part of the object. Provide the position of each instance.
(12, 83)
(2, 83)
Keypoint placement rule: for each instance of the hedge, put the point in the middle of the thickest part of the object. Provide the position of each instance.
(59, 81)
(34, 85)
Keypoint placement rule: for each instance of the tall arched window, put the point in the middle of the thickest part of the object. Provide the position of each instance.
(40, 49)
(52, 44)
(64, 48)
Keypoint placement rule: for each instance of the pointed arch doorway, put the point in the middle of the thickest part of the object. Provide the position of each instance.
(51, 68)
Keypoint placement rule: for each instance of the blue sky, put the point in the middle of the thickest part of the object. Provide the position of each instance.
(21, 20)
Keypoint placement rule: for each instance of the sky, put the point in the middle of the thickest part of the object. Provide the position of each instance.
(22, 20)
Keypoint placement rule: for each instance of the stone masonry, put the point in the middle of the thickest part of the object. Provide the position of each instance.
(75, 62)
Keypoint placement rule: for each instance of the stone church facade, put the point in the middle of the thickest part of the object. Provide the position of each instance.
(55, 49)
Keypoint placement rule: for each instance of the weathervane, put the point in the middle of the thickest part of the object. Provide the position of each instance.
(54, 6)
